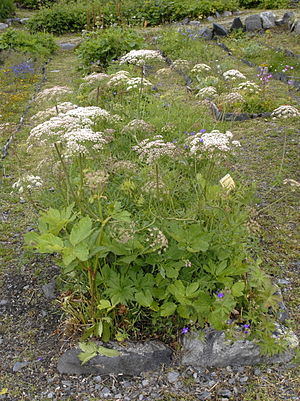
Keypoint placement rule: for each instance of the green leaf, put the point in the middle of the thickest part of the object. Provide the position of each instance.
(104, 304)
(81, 230)
(89, 351)
(49, 243)
(237, 289)
(191, 290)
(168, 309)
(144, 298)
(107, 351)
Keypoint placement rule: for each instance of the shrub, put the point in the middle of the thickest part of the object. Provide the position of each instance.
(40, 44)
(60, 18)
(103, 46)
(34, 4)
(7, 9)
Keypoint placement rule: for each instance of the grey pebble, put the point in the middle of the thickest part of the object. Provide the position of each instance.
(119, 395)
(97, 379)
(50, 395)
(97, 387)
(172, 377)
(204, 396)
(244, 379)
(66, 383)
(19, 365)
(3, 302)
(145, 383)
(257, 372)
(106, 392)
(225, 393)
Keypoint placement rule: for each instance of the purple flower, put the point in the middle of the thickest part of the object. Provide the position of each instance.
(220, 294)
(202, 130)
(246, 326)
(185, 330)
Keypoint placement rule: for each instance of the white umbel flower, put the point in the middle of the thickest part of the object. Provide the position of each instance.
(248, 87)
(208, 92)
(198, 68)
(285, 111)
(211, 141)
(141, 57)
(233, 75)
(150, 150)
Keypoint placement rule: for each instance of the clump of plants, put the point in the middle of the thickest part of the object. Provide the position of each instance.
(7, 9)
(40, 44)
(101, 47)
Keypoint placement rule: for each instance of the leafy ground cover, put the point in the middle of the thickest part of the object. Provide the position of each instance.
(159, 95)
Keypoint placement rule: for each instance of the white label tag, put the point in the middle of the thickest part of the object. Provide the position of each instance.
(227, 182)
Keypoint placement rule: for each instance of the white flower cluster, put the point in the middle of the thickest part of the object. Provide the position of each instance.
(233, 97)
(285, 111)
(138, 125)
(209, 91)
(141, 57)
(53, 111)
(181, 64)
(52, 93)
(157, 240)
(73, 128)
(211, 141)
(95, 77)
(138, 83)
(151, 187)
(119, 78)
(233, 75)
(248, 87)
(28, 182)
(198, 68)
(150, 150)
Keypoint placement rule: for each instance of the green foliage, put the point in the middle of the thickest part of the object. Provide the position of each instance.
(34, 4)
(264, 3)
(40, 44)
(7, 9)
(104, 46)
(90, 350)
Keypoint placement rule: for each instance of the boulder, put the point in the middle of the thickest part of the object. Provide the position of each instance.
(3, 26)
(206, 33)
(134, 358)
(219, 30)
(24, 20)
(267, 19)
(210, 348)
(226, 14)
(253, 23)
(237, 24)
(296, 29)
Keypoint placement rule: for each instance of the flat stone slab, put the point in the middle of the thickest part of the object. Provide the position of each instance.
(134, 359)
(212, 349)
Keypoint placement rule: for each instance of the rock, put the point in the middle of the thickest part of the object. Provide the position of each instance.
(206, 33)
(3, 302)
(133, 359)
(288, 16)
(172, 377)
(67, 46)
(195, 23)
(225, 393)
(267, 19)
(13, 21)
(244, 379)
(226, 14)
(216, 351)
(49, 290)
(50, 395)
(219, 30)
(210, 18)
(19, 365)
(105, 392)
(296, 29)
(3, 26)
(204, 396)
(253, 23)
(237, 24)
(218, 15)
(24, 20)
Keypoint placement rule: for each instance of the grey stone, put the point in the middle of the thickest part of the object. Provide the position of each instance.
(50, 395)
(134, 359)
(216, 351)
(210, 18)
(253, 23)
(237, 24)
(257, 372)
(195, 23)
(267, 19)
(204, 396)
(296, 29)
(172, 377)
(219, 30)
(225, 393)
(283, 281)
(145, 383)
(105, 392)
(13, 21)
(67, 46)
(3, 26)
(97, 387)
(19, 365)
(98, 379)
(4, 302)
(244, 379)
(226, 14)
(206, 33)
(218, 15)
(288, 16)
(49, 290)
(24, 20)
